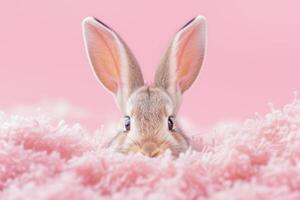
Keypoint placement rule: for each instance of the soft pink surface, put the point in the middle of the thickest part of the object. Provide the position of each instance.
(259, 159)
(252, 56)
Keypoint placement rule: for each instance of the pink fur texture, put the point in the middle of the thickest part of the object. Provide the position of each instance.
(258, 159)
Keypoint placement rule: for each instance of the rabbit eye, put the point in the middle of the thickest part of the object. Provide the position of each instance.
(171, 123)
(126, 123)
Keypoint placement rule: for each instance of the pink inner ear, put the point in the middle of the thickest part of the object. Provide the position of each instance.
(190, 53)
(104, 55)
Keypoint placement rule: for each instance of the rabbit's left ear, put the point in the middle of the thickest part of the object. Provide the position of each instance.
(112, 62)
(183, 60)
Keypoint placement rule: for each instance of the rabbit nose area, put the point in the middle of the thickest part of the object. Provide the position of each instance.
(150, 149)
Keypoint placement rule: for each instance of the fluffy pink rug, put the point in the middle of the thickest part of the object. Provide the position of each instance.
(258, 159)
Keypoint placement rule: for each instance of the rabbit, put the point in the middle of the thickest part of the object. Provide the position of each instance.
(148, 125)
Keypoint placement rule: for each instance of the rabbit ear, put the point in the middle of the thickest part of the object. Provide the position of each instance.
(113, 63)
(183, 59)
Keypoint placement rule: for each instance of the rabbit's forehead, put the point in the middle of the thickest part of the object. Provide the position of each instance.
(150, 101)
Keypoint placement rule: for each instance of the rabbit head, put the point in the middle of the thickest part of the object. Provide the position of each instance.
(148, 123)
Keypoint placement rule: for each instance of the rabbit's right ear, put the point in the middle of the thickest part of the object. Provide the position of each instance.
(113, 63)
(183, 60)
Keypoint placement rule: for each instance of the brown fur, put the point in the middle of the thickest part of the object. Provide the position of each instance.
(148, 107)
(150, 116)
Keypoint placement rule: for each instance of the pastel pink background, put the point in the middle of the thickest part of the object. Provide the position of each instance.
(252, 56)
